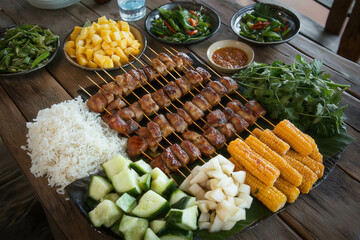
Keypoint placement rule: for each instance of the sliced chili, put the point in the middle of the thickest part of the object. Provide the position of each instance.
(192, 22)
(168, 25)
(277, 29)
(191, 11)
(192, 32)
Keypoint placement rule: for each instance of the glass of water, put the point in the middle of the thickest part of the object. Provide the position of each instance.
(131, 10)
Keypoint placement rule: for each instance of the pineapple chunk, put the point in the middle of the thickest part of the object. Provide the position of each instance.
(123, 43)
(91, 64)
(80, 50)
(71, 52)
(124, 26)
(81, 59)
(105, 34)
(110, 51)
(89, 53)
(136, 44)
(100, 52)
(123, 58)
(115, 36)
(105, 46)
(104, 27)
(102, 20)
(75, 33)
(116, 60)
(70, 44)
(96, 39)
(100, 60)
(113, 44)
(79, 42)
(108, 63)
(84, 33)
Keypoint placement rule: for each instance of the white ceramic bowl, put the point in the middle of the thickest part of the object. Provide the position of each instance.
(229, 43)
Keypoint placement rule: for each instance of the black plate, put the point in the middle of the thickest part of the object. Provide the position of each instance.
(215, 19)
(282, 14)
(50, 58)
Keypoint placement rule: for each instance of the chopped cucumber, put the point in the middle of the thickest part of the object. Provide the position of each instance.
(105, 213)
(110, 196)
(126, 181)
(158, 226)
(185, 219)
(126, 202)
(99, 187)
(150, 235)
(151, 205)
(141, 167)
(185, 202)
(156, 172)
(145, 181)
(115, 165)
(176, 196)
(133, 228)
(176, 234)
(163, 185)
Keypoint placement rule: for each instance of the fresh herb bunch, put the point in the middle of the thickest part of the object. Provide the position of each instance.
(300, 92)
(25, 47)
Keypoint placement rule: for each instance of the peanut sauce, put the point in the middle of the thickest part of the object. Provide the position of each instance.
(230, 57)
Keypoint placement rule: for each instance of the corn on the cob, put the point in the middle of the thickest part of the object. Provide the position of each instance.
(309, 177)
(316, 155)
(255, 164)
(286, 170)
(293, 136)
(291, 192)
(236, 163)
(270, 196)
(257, 132)
(274, 142)
(315, 166)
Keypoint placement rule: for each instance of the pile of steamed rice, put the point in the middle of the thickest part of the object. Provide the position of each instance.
(67, 142)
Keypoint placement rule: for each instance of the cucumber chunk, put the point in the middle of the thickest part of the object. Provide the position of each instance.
(133, 228)
(126, 181)
(145, 181)
(105, 213)
(176, 196)
(151, 205)
(177, 234)
(141, 167)
(163, 185)
(158, 226)
(150, 235)
(185, 219)
(126, 202)
(99, 187)
(156, 172)
(115, 165)
(110, 196)
(185, 202)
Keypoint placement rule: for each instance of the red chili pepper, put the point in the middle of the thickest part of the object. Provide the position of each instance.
(192, 22)
(192, 32)
(266, 23)
(277, 29)
(257, 24)
(256, 27)
(286, 27)
(191, 11)
(168, 25)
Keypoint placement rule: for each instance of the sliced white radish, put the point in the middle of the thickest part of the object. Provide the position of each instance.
(222, 160)
(197, 191)
(231, 199)
(226, 181)
(215, 195)
(185, 185)
(240, 203)
(247, 198)
(239, 176)
(195, 170)
(228, 225)
(244, 189)
(228, 168)
(203, 207)
(239, 215)
(213, 183)
(225, 210)
(204, 225)
(216, 174)
(230, 190)
(204, 217)
(200, 177)
(217, 225)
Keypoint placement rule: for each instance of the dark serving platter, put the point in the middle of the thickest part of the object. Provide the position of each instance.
(50, 58)
(215, 19)
(282, 14)
(77, 191)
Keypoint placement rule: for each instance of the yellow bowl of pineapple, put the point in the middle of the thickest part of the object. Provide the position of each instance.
(104, 44)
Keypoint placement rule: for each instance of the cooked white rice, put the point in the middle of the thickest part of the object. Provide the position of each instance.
(67, 142)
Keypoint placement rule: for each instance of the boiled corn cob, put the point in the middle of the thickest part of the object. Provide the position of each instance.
(309, 177)
(274, 142)
(315, 154)
(315, 166)
(286, 170)
(257, 132)
(236, 163)
(293, 136)
(255, 164)
(270, 196)
(291, 192)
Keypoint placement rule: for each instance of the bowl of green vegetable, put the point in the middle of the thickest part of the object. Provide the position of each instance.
(26, 48)
(265, 24)
(182, 23)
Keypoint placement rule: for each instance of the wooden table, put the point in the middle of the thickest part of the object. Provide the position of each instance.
(331, 211)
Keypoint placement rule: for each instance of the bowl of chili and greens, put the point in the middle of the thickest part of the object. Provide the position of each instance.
(182, 23)
(265, 24)
(26, 48)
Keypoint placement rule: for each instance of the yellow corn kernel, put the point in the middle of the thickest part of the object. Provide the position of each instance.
(286, 170)
(309, 177)
(315, 166)
(255, 164)
(291, 192)
(315, 154)
(293, 136)
(275, 143)
(270, 196)
(257, 132)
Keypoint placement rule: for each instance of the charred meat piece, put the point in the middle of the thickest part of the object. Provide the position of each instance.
(230, 84)
(129, 84)
(191, 136)
(172, 90)
(204, 74)
(148, 105)
(159, 163)
(211, 96)
(97, 102)
(154, 129)
(119, 79)
(136, 75)
(136, 145)
(179, 63)
(150, 73)
(183, 84)
(215, 138)
(131, 126)
(200, 142)
(139, 113)
(192, 151)
(108, 96)
(170, 160)
(161, 98)
(126, 113)
(256, 108)
(165, 126)
(182, 113)
(228, 113)
(193, 110)
(228, 131)
(177, 122)
(117, 103)
(241, 110)
(170, 64)
(152, 142)
(117, 123)
(194, 77)
(238, 122)
(142, 75)
(200, 101)
(187, 61)
(216, 118)
(106, 116)
(218, 87)
(180, 154)
(113, 88)
(159, 66)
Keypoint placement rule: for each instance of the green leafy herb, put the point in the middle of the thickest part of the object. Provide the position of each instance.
(300, 92)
